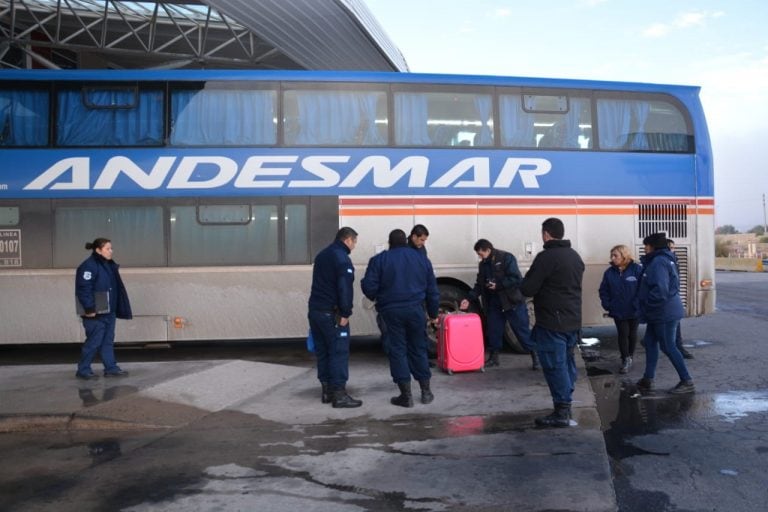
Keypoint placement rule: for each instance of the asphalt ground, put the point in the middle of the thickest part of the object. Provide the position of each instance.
(474, 448)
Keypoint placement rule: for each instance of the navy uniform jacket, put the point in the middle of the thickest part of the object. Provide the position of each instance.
(554, 282)
(98, 274)
(332, 278)
(659, 293)
(618, 291)
(401, 277)
(501, 266)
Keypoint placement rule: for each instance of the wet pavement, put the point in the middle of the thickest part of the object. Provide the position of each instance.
(701, 452)
(251, 435)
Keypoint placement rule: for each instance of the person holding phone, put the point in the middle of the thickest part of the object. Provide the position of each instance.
(498, 284)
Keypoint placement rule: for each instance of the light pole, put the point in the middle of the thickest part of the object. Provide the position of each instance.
(765, 219)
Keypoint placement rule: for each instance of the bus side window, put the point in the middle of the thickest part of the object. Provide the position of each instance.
(23, 118)
(335, 118)
(120, 116)
(226, 117)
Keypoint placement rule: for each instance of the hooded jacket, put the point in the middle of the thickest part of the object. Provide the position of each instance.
(659, 291)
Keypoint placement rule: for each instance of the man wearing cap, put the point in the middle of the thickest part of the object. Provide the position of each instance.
(400, 280)
(661, 309)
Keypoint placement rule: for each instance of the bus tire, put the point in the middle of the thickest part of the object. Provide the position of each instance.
(510, 340)
(450, 298)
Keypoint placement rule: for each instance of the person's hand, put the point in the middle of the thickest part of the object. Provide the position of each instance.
(464, 305)
(90, 315)
(343, 321)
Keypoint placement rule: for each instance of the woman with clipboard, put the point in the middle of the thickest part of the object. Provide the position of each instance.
(101, 298)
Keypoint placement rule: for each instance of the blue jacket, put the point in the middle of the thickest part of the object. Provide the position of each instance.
(618, 291)
(332, 278)
(98, 274)
(659, 292)
(401, 277)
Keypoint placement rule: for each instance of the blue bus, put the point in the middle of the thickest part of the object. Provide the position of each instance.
(218, 187)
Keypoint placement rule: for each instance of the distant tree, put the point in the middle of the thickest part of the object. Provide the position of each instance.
(722, 248)
(728, 229)
(758, 230)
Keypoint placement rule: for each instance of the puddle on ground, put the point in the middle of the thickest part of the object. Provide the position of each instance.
(734, 405)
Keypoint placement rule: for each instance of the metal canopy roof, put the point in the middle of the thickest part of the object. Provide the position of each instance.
(251, 34)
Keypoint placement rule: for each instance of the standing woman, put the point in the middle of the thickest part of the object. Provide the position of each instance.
(618, 296)
(103, 298)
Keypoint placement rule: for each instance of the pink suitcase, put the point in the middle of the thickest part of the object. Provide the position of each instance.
(460, 343)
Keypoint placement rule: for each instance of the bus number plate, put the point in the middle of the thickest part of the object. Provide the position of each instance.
(10, 247)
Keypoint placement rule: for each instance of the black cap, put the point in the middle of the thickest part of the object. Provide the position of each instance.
(656, 240)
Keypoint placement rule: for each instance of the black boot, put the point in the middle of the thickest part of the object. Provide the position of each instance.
(426, 393)
(493, 359)
(535, 365)
(406, 398)
(341, 400)
(326, 397)
(560, 417)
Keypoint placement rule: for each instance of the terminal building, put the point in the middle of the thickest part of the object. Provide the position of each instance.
(195, 34)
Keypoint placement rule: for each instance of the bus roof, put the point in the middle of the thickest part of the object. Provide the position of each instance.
(337, 76)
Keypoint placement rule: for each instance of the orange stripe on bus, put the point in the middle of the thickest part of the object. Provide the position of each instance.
(383, 212)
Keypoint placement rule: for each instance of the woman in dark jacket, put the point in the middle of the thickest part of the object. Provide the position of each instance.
(101, 298)
(661, 308)
(618, 296)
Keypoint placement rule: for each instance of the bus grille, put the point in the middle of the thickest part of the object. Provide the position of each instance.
(670, 218)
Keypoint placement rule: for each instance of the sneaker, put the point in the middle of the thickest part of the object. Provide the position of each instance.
(683, 387)
(119, 372)
(626, 364)
(645, 384)
(86, 376)
(686, 354)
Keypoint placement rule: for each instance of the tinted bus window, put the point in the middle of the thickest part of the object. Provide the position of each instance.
(136, 233)
(642, 125)
(23, 117)
(545, 121)
(443, 119)
(109, 116)
(296, 234)
(223, 117)
(196, 243)
(335, 118)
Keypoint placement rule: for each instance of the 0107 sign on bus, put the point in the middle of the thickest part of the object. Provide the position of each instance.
(10, 247)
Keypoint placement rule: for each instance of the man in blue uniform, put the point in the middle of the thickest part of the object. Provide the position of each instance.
(554, 282)
(400, 280)
(330, 306)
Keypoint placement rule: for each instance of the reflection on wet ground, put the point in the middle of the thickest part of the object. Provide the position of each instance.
(625, 412)
(738, 404)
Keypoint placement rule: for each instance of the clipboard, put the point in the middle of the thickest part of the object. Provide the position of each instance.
(101, 303)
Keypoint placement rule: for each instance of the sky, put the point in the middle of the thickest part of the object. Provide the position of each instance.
(720, 46)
